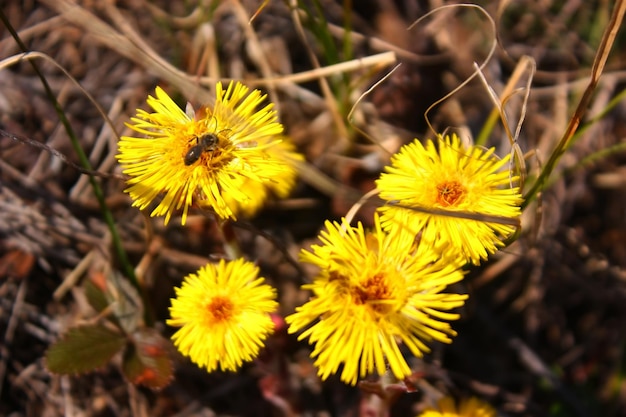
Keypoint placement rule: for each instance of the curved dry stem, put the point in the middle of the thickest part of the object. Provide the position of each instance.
(192, 20)
(362, 201)
(481, 66)
(377, 44)
(255, 51)
(8, 45)
(361, 97)
(26, 56)
(525, 66)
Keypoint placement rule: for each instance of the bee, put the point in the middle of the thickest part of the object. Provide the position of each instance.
(204, 143)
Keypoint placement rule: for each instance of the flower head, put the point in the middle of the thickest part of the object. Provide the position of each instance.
(373, 290)
(224, 315)
(457, 179)
(284, 155)
(200, 157)
(469, 407)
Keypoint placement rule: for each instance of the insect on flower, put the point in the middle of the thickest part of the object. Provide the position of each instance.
(204, 143)
(187, 157)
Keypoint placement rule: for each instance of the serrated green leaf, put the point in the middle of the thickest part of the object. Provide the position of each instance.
(84, 349)
(147, 359)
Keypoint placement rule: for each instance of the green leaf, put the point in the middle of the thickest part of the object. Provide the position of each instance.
(116, 292)
(95, 293)
(84, 349)
(147, 360)
(126, 302)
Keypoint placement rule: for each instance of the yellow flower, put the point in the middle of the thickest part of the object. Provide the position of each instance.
(200, 157)
(224, 315)
(456, 179)
(470, 407)
(283, 154)
(373, 290)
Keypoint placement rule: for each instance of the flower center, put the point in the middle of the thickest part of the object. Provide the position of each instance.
(450, 193)
(374, 290)
(220, 309)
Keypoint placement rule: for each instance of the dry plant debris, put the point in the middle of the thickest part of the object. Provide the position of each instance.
(536, 320)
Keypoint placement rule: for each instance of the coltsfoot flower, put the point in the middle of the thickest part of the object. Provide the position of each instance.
(285, 155)
(454, 178)
(469, 407)
(189, 158)
(373, 290)
(223, 312)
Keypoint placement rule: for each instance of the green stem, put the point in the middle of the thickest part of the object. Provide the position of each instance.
(84, 161)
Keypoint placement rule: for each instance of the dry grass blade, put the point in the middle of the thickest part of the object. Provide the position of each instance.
(342, 132)
(130, 45)
(61, 156)
(376, 62)
(545, 313)
(608, 38)
(526, 66)
(492, 49)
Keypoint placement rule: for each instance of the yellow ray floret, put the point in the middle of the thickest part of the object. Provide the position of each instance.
(283, 154)
(223, 312)
(453, 178)
(375, 290)
(202, 157)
